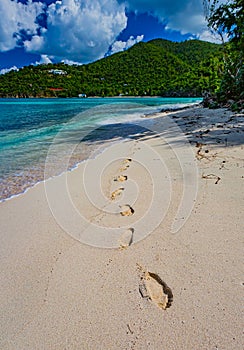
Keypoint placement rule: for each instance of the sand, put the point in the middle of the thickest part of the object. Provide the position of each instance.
(103, 258)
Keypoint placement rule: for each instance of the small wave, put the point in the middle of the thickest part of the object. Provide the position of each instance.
(107, 123)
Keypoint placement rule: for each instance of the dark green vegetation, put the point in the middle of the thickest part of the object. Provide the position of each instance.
(159, 67)
(228, 19)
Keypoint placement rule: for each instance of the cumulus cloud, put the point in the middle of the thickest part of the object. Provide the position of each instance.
(7, 70)
(79, 30)
(184, 16)
(44, 60)
(36, 42)
(17, 21)
(83, 30)
(71, 63)
(196, 23)
(160, 8)
(124, 45)
(207, 35)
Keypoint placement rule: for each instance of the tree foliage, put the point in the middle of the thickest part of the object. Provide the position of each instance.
(158, 67)
(227, 20)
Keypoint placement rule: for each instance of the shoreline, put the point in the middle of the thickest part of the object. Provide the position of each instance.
(77, 264)
(90, 97)
(72, 168)
(76, 163)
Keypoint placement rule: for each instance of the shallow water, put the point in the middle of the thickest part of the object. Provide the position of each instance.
(28, 127)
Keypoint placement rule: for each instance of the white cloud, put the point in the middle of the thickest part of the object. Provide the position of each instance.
(71, 63)
(16, 17)
(83, 30)
(124, 45)
(35, 44)
(44, 60)
(207, 35)
(165, 9)
(162, 8)
(192, 20)
(188, 22)
(184, 16)
(7, 70)
(80, 30)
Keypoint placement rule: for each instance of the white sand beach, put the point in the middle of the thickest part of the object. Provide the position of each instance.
(78, 256)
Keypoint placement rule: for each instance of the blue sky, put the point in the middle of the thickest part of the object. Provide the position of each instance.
(82, 31)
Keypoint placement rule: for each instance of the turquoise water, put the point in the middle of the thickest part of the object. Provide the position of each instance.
(28, 127)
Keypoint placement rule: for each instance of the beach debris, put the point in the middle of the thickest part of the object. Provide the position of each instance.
(126, 210)
(129, 329)
(143, 291)
(200, 154)
(126, 238)
(117, 193)
(212, 176)
(222, 165)
(155, 289)
(121, 178)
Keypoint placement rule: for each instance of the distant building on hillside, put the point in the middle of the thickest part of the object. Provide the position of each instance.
(57, 71)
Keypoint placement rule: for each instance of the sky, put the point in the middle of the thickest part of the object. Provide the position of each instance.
(82, 31)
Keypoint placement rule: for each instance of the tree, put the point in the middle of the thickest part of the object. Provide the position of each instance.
(227, 20)
(158, 67)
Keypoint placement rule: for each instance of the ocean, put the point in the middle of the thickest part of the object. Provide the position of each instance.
(28, 127)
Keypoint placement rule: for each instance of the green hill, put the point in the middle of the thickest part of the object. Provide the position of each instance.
(158, 67)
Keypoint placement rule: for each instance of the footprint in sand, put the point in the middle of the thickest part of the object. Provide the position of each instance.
(156, 290)
(121, 178)
(126, 161)
(123, 168)
(126, 238)
(126, 210)
(125, 164)
(117, 193)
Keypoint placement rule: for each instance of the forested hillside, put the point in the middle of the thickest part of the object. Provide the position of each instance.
(158, 67)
